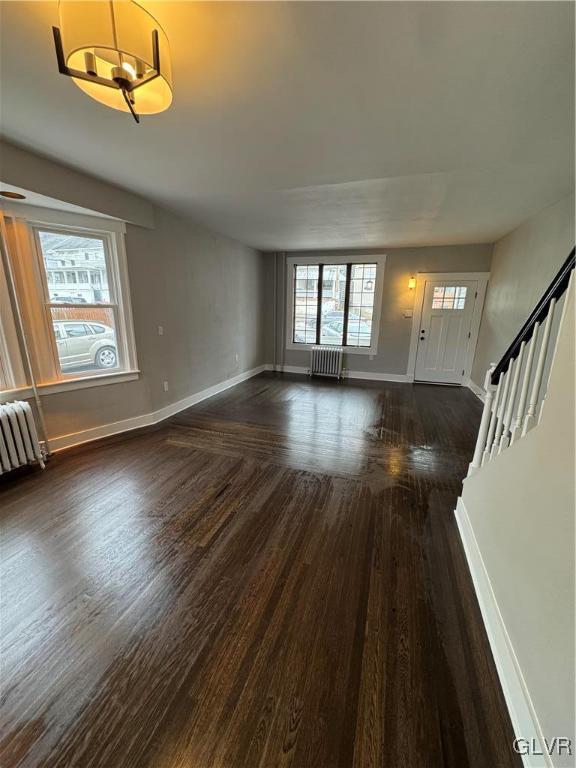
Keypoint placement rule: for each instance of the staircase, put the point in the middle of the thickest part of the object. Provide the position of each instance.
(516, 522)
(516, 387)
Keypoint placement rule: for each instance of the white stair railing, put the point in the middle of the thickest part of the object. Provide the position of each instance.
(508, 417)
(530, 416)
(516, 431)
(505, 438)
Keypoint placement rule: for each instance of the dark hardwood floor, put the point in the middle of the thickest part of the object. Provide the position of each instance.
(272, 578)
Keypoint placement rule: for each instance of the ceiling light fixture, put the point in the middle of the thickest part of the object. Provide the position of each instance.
(12, 195)
(117, 53)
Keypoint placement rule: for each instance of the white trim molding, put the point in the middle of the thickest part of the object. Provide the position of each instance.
(478, 391)
(402, 378)
(85, 383)
(346, 373)
(148, 419)
(421, 278)
(522, 713)
(18, 393)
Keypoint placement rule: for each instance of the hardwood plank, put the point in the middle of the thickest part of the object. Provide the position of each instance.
(272, 578)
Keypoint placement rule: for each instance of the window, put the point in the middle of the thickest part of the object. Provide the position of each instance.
(448, 297)
(78, 321)
(333, 303)
(306, 304)
(77, 349)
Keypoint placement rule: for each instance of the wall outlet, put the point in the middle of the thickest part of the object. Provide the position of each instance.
(165, 385)
(160, 330)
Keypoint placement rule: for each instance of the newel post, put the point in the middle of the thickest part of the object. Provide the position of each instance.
(489, 388)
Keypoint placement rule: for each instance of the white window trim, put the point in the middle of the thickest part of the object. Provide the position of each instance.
(293, 261)
(113, 232)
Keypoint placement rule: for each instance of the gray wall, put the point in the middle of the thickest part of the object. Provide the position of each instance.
(205, 290)
(395, 330)
(21, 168)
(523, 265)
(207, 293)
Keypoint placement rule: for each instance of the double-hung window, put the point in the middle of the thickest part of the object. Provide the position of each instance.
(83, 318)
(334, 302)
(71, 284)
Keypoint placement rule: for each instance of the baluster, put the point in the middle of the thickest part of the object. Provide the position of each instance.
(505, 439)
(530, 417)
(501, 410)
(492, 427)
(525, 385)
(489, 388)
(560, 326)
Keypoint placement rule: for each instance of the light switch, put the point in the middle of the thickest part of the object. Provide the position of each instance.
(408, 313)
(160, 330)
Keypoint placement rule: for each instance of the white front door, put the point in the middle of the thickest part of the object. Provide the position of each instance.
(445, 330)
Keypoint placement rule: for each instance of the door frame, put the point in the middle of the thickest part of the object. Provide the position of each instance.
(421, 278)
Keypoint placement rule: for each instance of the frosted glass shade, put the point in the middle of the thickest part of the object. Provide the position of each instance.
(118, 33)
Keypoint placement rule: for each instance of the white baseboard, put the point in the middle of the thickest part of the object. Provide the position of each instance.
(347, 373)
(147, 419)
(478, 391)
(287, 368)
(522, 714)
(370, 376)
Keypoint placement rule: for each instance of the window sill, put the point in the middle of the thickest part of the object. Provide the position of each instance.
(347, 350)
(20, 393)
(87, 382)
(23, 393)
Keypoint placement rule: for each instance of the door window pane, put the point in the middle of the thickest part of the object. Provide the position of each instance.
(63, 249)
(80, 347)
(449, 297)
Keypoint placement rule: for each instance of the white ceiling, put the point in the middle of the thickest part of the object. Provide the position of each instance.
(325, 125)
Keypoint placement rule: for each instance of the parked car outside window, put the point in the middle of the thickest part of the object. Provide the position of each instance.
(85, 345)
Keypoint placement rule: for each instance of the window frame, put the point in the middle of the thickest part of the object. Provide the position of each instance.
(303, 260)
(52, 379)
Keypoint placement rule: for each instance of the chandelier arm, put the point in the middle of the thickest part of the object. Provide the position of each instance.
(155, 58)
(77, 73)
(130, 107)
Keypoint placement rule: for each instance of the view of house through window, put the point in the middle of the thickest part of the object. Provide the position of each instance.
(80, 301)
(334, 304)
